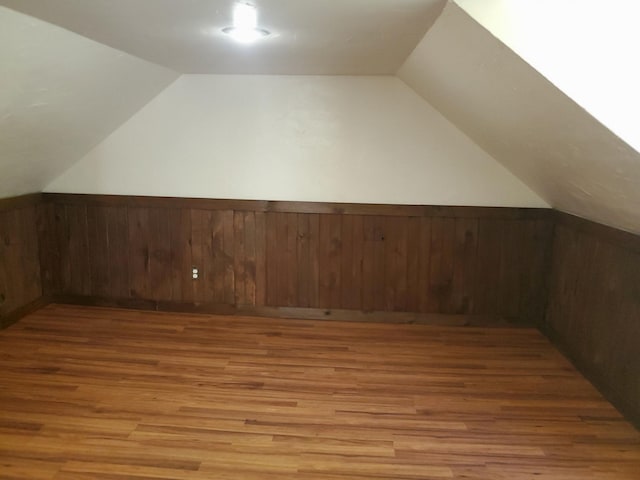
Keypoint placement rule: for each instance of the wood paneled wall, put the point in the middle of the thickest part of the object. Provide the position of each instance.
(385, 258)
(594, 306)
(468, 260)
(20, 283)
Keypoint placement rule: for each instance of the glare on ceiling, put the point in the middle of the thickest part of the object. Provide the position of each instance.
(245, 24)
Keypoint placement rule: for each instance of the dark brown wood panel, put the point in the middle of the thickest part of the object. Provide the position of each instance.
(20, 275)
(98, 235)
(488, 283)
(261, 259)
(303, 255)
(49, 254)
(249, 260)
(465, 265)
(351, 261)
(118, 251)
(594, 307)
(139, 253)
(271, 260)
(442, 263)
(180, 240)
(144, 249)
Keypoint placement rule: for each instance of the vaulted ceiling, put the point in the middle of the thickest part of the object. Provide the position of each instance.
(73, 71)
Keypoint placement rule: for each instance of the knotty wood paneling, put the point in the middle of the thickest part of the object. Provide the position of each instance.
(475, 260)
(20, 276)
(594, 306)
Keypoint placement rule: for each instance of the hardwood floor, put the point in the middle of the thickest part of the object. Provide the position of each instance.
(108, 394)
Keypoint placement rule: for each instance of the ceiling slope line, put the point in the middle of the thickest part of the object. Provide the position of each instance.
(526, 123)
(62, 95)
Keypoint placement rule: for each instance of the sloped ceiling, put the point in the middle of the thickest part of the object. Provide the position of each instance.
(586, 48)
(525, 122)
(309, 37)
(60, 95)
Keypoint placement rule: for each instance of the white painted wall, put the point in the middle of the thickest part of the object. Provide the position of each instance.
(525, 122)
(587, 48)
(337, 139)
(61, 94)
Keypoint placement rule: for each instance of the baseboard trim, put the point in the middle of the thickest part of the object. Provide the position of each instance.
(629, 411)
(12, 317)
(293, 312)
(376, 316)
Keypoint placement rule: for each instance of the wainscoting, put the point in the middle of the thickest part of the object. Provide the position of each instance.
(577, 280)
(450, 260)
(594, 306)
(20, 285)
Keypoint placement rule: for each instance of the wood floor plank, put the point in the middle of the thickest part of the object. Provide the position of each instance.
(108, 394)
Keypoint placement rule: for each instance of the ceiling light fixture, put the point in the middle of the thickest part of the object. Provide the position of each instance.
(245, 24)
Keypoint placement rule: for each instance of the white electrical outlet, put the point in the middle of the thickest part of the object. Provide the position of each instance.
(194, 273)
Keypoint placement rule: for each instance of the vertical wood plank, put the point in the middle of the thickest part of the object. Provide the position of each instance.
(250, 257)
(5, 269)
(11, 255)
(215, 257)
(464, 271)
(424, 271)
(441, 273)
(199, 230)
(413, 264)
(180, 240)
(487, 291)
(62, 235)
(390, 274)
(534, 262)
(139, 254)
(346, 263)
(271, 259)
(281, 256)
(379, 247)
(352, 261)
(119, 268)
(291, 259)
(314, 260)
(30, 255)
(98, 250)
(304, 260)
(395, 269)
(261, 259)
(239, 258)
(324, 271)
(79, 249)
(510, 261)
(20, 281)
(159, 255)
(368, 254)
(229, 280)
(48, 249)
(329, 260)
(356, 263)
